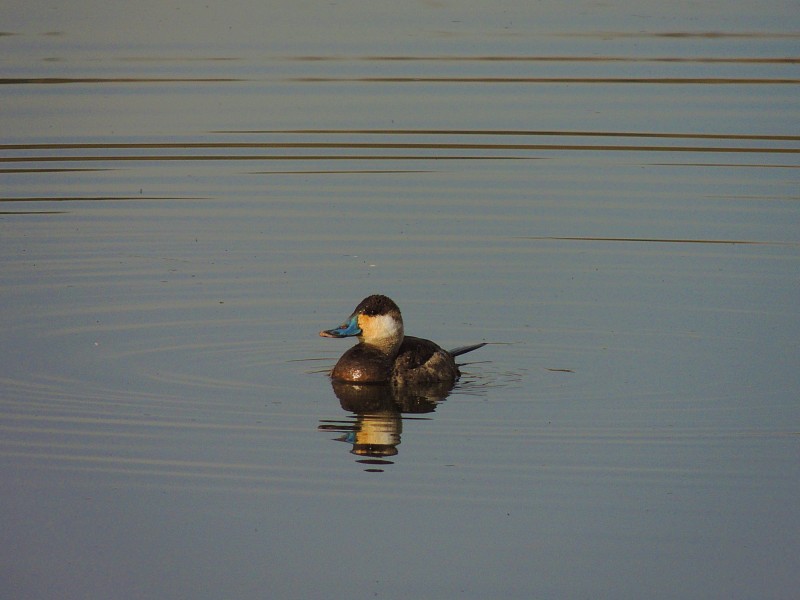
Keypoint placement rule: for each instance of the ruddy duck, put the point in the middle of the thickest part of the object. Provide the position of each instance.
(384, 354)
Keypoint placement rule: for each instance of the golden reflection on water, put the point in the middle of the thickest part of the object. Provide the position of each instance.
(375, 431)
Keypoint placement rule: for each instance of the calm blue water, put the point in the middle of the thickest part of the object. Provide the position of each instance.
(605, 194)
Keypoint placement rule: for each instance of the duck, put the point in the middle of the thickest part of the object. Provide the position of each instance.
(385, 354)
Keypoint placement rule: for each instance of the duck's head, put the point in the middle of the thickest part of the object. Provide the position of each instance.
(376, 321)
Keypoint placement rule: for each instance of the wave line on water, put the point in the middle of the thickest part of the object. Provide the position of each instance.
(79, 80)
(400, 132)
(511, 132)
(656, 240)
(541, 58)
(565, 80)
(97, 198)
(264, 157)
(361, 157)
(407, 79)
(684, 34)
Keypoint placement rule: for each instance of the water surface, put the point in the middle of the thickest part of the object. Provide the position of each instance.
(605, 194)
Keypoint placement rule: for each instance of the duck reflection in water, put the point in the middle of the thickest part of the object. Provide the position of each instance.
(386, 374)
(379, 408)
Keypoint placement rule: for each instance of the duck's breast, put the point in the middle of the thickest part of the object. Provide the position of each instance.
(363, 364)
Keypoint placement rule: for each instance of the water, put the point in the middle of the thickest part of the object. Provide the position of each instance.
(605, 194)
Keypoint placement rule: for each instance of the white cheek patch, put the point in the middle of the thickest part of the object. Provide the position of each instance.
(384, 326)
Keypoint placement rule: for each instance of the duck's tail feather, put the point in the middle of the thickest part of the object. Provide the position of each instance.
(465, 349)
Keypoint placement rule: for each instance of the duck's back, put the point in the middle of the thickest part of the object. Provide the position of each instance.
(422, 361)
